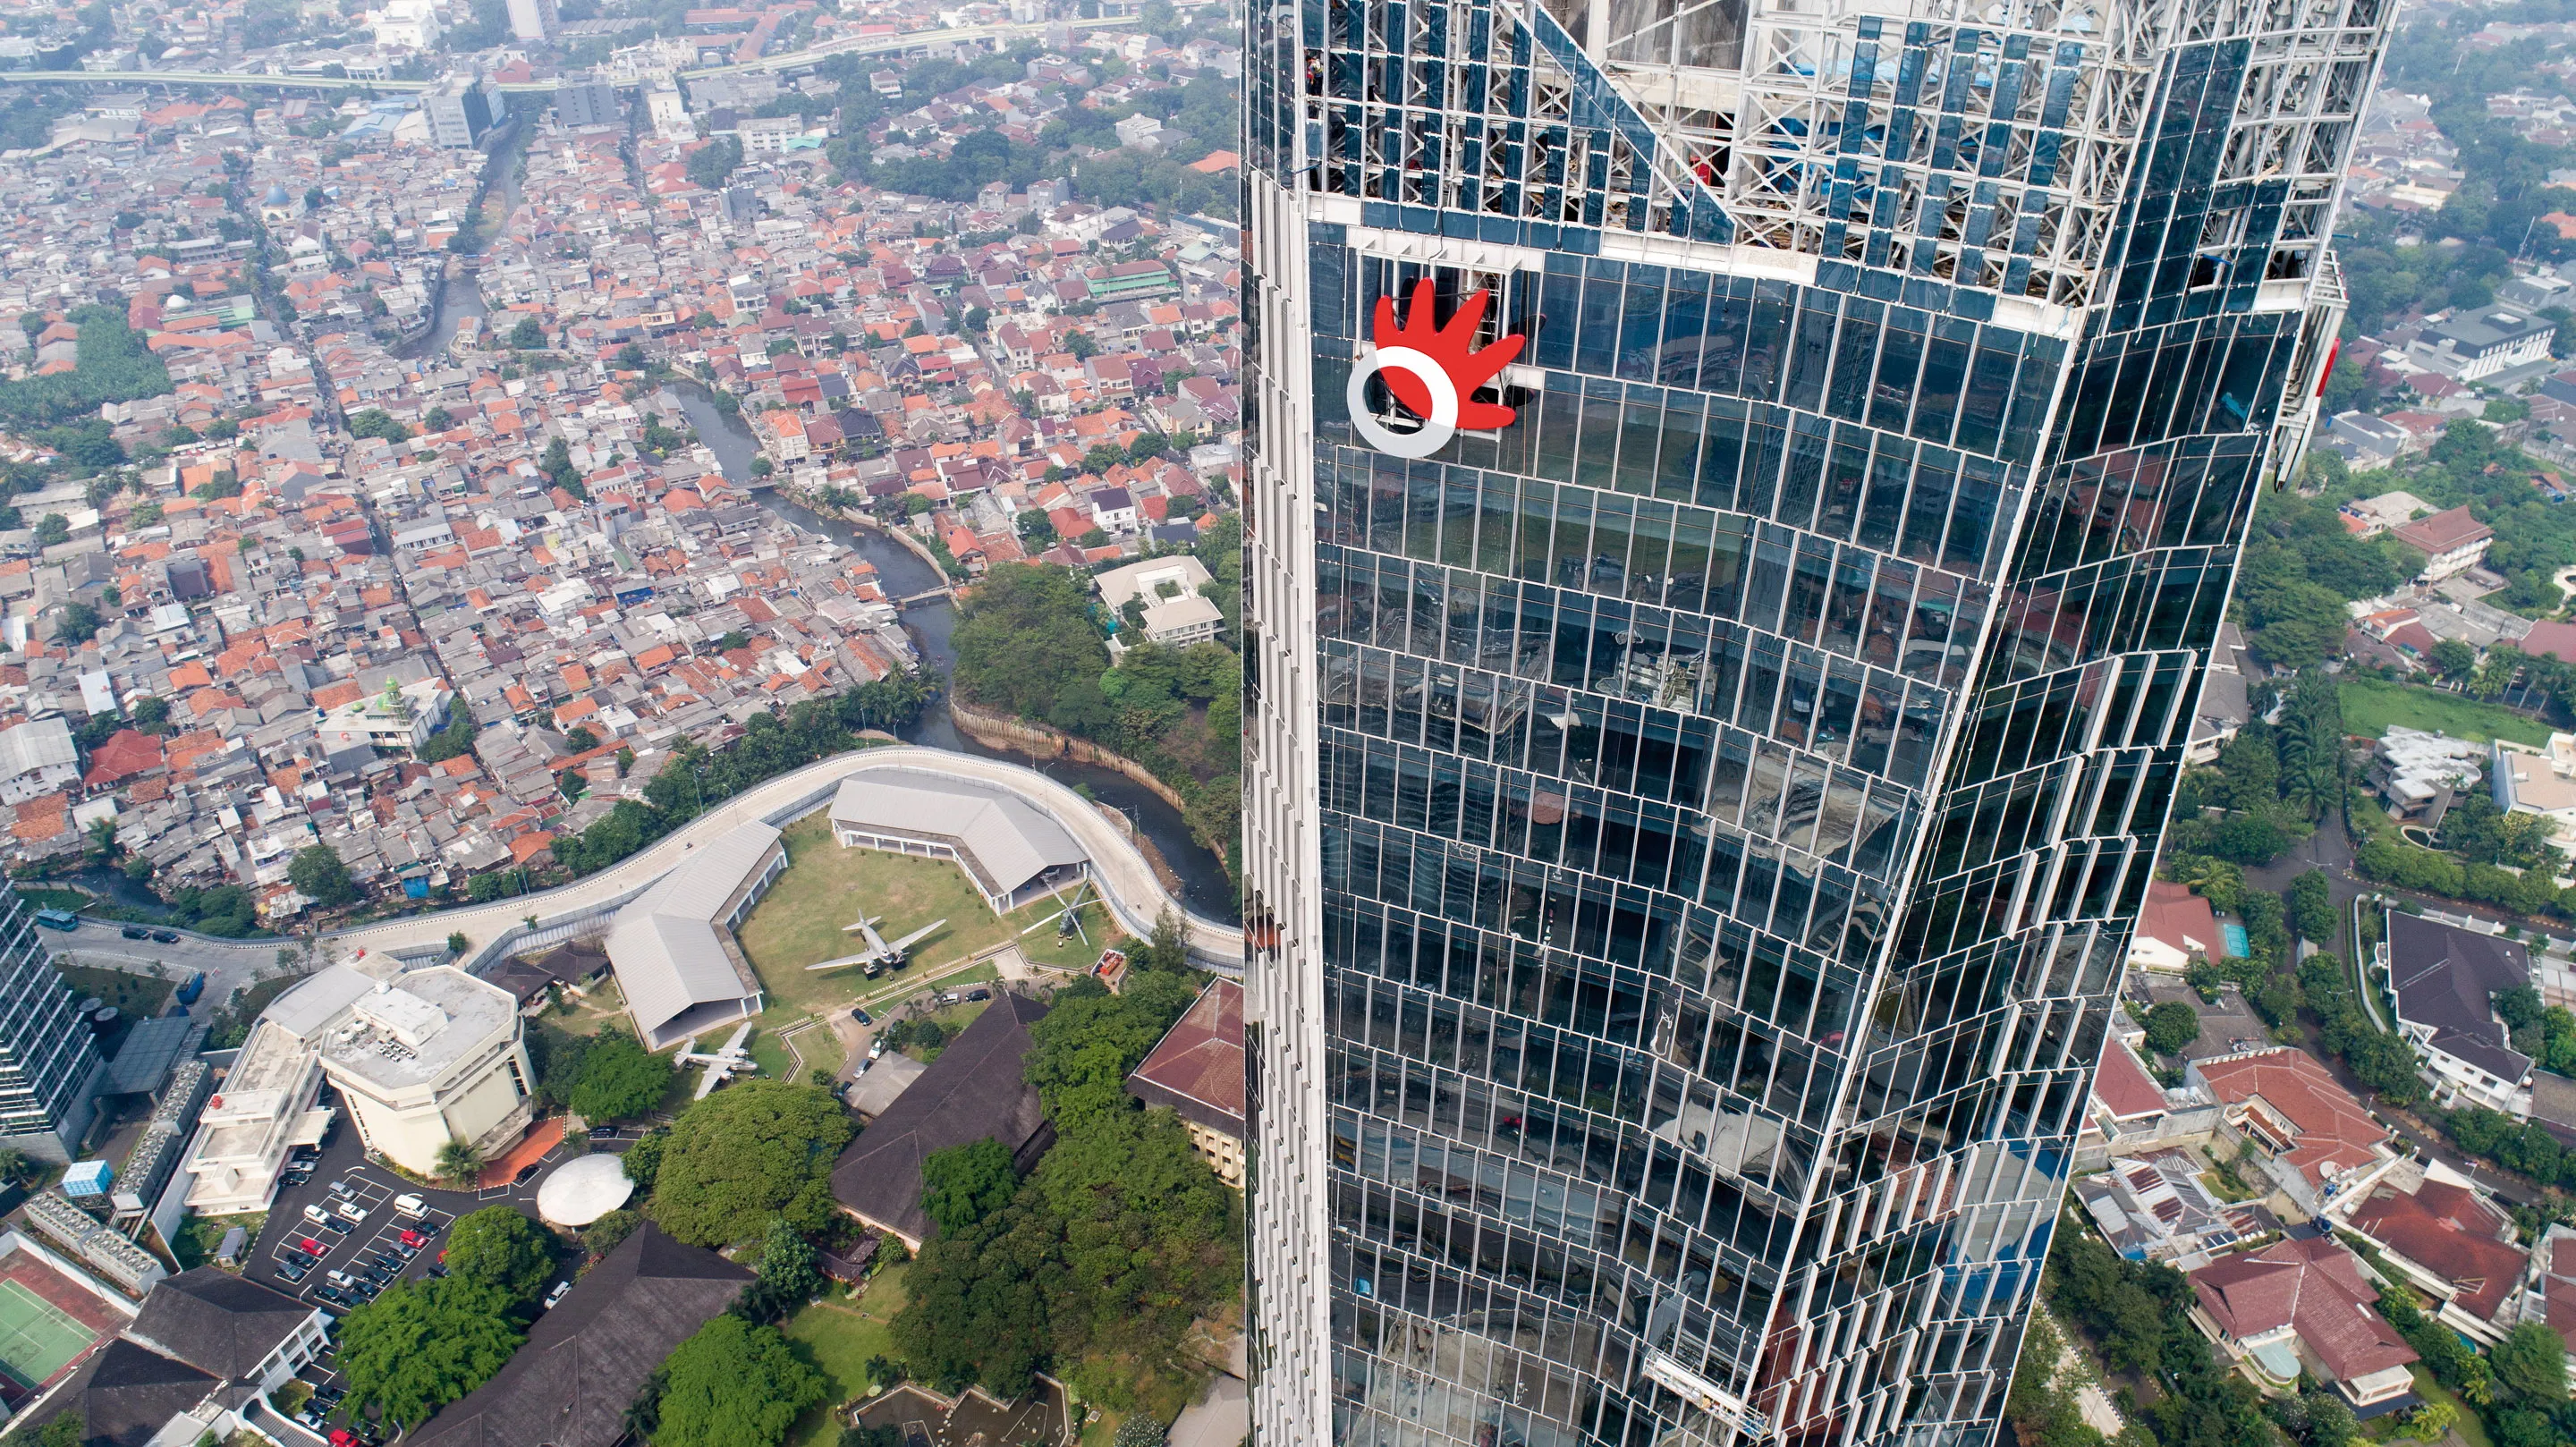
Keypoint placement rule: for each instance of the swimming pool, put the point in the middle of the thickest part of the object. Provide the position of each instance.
(2238, 946)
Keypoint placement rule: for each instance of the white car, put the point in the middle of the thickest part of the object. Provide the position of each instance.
(561, 1287)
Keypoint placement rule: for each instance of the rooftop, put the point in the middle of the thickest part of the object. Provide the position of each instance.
(1197, 1067)
(2446, 980)
(973, 1091)
(415, 1028)
(1002, 839)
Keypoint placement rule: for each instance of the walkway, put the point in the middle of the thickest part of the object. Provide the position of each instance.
(1135, 896)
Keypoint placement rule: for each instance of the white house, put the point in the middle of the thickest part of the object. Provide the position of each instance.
(1176, 613)
(2446, 979)
(37, 758)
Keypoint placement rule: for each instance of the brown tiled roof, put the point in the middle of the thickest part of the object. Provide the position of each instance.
(973, 1091)
(2314, 1286)
(1197, 1067)
(2446, 1230)
(2334, 1131)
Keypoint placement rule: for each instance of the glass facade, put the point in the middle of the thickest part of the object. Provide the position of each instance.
(49, 1060)
(1693, 828)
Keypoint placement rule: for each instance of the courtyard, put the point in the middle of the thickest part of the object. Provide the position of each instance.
(799, 923)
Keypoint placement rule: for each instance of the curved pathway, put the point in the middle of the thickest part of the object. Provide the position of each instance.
(1123, 876)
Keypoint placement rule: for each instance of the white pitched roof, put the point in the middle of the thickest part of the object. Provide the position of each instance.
(1007, 840)
(664, 945)
(36, 744)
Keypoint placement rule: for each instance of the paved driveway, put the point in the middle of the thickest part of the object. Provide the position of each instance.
(228, 965)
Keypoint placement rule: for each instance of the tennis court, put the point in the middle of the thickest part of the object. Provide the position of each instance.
(36, 1337)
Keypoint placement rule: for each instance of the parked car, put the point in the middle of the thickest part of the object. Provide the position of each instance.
(290, 1273)
(412, 1239)
(342, 1189)
(337, 1227)
(335, 1298)
(294, 1178)
(312, 1246)
(351, 1210)
(410, 1206)
(438, 1270)
(979, 994)
(863, 1017)
(165, 937)
(136, 932)
(556, 1295)
(293, 1257)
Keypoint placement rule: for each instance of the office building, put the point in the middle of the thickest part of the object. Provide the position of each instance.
(49, 1062)
(458, 110)
(586, 100)
(1741, 497)
(534, 20)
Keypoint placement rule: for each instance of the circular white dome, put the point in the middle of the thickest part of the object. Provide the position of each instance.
(581, 1191)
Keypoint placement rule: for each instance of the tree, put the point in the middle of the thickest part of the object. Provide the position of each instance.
(528, 335)
(52, 529)
(498, 1248)
(318, 873)
(758, 1151)
(643, 1160)
(964, 1184)
(457, 943)
(2311, 907)
(2171, 1026)
(2453, 659)
(2432, 1421)
(459, 1163)
(1079, 1064)
(78, 624)
(423, 1344)
(1025, 638)
(2532, 1362)
(1140, 1430)
(710, 164)
(63, 1431)
(602, 1235)
(581, 740)
(376, 422)
(619, 1079)
(734, 1384)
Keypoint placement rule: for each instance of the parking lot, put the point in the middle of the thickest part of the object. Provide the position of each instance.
(364, 1236)
(370, 1189)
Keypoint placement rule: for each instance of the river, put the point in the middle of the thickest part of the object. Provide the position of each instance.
(1204, 886)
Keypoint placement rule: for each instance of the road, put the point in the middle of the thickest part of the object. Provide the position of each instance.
(228, 965)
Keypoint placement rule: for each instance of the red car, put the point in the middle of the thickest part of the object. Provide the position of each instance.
(414, 1240)
(343, 1437)
(308, 1244)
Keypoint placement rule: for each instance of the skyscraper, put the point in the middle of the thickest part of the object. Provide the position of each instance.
(49, 1060)
(1740, 499)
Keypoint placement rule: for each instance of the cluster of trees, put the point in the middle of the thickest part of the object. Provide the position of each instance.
(755, 1152)
(2139, 1312)
(319, 874)
(1094, 1266)
(711, 163)
(772, 744)
(2377, 1058)
(1027, 645)
(603, 1077)
(423, 1344)
(2518, 1388)
(2300, 567)
(2272, 780)
(110, 364)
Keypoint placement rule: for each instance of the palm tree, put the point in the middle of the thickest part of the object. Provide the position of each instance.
(459, 1162)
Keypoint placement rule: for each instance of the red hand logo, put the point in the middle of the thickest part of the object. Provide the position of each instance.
(1452, 347)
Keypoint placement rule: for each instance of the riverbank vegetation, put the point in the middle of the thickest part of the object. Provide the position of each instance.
(1030, 642)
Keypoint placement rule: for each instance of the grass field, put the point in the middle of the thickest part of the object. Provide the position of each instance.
(798, 923)
(837, 1337)
(2370, 705)
(137, 996)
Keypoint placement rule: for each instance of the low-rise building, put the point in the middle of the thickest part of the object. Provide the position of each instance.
(2539, 781)
(2368, 517)
(1166, 591)
(2450, 1242)
(401, 717)
(2419, 773)
(1196, 1071)
(2175, 928)
(974, 1091)
(2477, 345)
(2318, 1140)
(2452, 542)
(1012, 850)
(2446, 979)
(37, 757)
(419, 1059)
(673, 948)
(196, 1362)
(2303, 1305)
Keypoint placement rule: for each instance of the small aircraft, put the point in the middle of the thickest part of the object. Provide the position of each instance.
(722, 1064)
(879, 956)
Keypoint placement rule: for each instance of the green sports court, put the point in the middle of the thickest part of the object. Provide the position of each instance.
(37, 1338)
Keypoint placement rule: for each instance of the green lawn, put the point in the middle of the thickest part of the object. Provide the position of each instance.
(2468, 1428)
(837, 1337)
(798, 923)
(2370, 705)
(138, 996)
